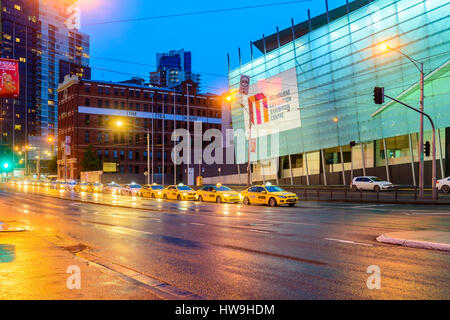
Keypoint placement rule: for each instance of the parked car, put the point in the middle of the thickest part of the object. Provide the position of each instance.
(154, 191)
(96, 187)
(217, 193)
(112, 188)
(70, 185)
(443, 185)
(268, 195)
(179, 192)
(82, 187)
(131, 189)
(371, 183)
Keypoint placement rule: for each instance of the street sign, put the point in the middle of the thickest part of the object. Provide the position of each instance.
(244, 85)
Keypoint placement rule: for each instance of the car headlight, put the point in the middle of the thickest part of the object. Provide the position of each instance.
(185, 194)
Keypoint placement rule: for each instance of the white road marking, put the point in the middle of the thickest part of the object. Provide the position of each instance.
(259, 231)
(349, 242)
(197, 224)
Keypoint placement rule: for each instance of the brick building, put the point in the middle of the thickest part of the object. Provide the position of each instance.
(90, 113)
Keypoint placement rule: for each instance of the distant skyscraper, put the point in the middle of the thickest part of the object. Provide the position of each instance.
(35, 33)
(173, 68)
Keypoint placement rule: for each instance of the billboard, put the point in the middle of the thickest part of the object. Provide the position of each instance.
(109, 167)
(273, 104)
(9, 78)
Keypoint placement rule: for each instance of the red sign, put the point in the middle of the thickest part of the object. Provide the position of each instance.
(9, 78)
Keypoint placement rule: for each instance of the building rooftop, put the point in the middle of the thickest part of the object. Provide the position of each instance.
(300, 29)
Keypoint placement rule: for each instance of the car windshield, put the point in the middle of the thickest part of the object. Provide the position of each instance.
(376, 179)
(157, 187)
(223, 188)
(135, 186)
(184, 188)
(274, 189)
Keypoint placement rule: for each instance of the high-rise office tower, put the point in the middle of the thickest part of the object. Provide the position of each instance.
(173, 68)
(36, 33)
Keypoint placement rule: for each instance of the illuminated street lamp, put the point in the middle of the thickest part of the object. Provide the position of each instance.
(231, 98)
(120, 124)
(419, 65)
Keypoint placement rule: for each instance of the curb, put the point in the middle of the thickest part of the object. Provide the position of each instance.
(415, 243)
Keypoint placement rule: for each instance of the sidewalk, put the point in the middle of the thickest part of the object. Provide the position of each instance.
(34, 268)
(432, 240)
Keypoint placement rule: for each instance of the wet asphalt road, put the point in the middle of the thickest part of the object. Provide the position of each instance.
(229, 251)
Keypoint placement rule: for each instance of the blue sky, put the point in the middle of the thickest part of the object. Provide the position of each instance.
(210, 36)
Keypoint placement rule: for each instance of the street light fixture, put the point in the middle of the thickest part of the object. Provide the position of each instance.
(120, 124)
(231, 98)
(419, 65)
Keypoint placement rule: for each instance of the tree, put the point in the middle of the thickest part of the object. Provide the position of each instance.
(90, 161)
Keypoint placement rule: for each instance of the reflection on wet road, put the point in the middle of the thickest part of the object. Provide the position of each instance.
(232, 251)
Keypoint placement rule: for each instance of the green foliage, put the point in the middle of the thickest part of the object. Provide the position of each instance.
(90, 161)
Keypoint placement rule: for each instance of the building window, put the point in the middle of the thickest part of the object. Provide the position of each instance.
(100, 90)
(100, 103)
(130, 169)
(87, 102)
(137, 156)
(87, 89)
(136, 170)
(99, 154)
(87, 137)
(122, 155)
(87, 119)
(138, 138)
(99, 137)
(115, 154)
(107, 155)
(100, 120)
(116, 138)
(145, 155)
(130, 155)
(106, 137)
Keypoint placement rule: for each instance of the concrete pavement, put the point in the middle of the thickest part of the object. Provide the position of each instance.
(423, 239)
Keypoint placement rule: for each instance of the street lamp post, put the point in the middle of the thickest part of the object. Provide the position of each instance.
(433, 187)
(419, 66)
(120, 124)
(230, 99)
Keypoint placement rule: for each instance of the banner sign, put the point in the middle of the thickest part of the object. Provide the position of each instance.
(9, 78)
(273, 104)
(109, 167)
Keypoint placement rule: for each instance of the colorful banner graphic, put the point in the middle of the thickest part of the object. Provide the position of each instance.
(9, 81)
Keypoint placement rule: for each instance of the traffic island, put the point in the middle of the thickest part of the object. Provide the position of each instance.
(425, 239)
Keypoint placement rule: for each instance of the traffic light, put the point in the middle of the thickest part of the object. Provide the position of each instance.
(378, 95)
(427, 148)
(6, 156)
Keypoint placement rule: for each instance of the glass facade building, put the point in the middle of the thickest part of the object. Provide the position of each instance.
(336, 66)
(35, 33)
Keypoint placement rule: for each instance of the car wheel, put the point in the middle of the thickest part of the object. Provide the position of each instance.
(445, 189)
(291, 204)
(153, 196)
(246, 201)
(354, 188)
(200, 199)
(376, 189)
(141, 195)
(218, 200)
(178, 197)
(272, 202)
(165, 197)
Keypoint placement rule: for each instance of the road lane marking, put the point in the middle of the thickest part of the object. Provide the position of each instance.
(197, 224)
(349, 242)
(259, 231)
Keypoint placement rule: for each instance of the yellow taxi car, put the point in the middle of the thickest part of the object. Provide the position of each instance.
(217, 193)
(179, 192)
(154, 191)
(95, 188)
(82, 187)
(268, 195)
